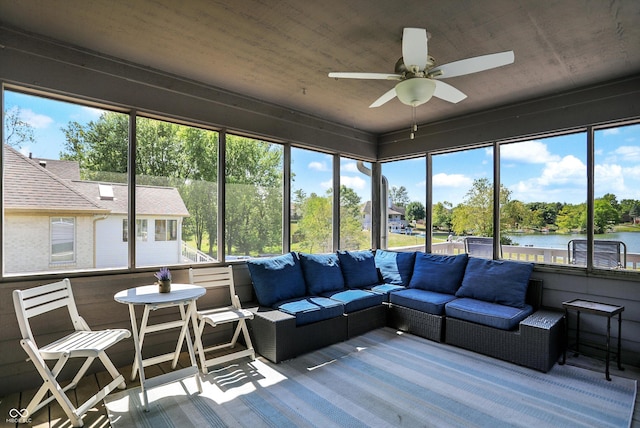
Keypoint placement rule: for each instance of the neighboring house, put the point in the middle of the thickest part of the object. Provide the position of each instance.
(395, 217)
(53, 220)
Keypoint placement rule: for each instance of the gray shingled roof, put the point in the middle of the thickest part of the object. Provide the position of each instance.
(150, 200)
(29, 186)
(69, 170)
(393, 209)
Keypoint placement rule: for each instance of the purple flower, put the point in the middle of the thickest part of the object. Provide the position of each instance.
(163, 274)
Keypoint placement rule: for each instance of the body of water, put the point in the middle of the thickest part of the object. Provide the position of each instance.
(553, 240)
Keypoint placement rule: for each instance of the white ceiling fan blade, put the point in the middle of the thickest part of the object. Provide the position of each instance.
(371, 76)
(472, 65)
(387, 96)
(447, 92)
(414, 48)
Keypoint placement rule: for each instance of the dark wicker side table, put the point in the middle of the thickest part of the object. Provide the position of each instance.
(596, 308)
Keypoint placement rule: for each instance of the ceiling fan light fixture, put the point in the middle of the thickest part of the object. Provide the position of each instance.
(414, 92)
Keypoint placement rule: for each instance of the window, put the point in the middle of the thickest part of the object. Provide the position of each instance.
(355, 191)
(311, 201)
(59, 157)
(63, 238)
(616, 220)
(166, 230)
(405, 205)
(462, 198)
(71, 214)
(543, 197)
(176, 180)
(141, 230)
(253, 209)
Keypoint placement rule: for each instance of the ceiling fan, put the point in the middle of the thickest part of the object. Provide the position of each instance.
(418, 75)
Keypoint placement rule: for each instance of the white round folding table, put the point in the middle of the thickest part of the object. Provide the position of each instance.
(183, 296)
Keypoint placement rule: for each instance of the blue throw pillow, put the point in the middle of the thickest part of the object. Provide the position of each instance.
(496, 281)
(395, 267)
(358, 268)
(439, 273)
(277, 278)
(321, 273)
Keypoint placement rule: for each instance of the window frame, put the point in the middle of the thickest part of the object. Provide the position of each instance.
(286, 196)
(60, 220)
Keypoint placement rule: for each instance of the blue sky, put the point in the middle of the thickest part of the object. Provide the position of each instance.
(547, 170)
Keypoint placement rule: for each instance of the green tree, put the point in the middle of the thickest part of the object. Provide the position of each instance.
(625, 208)
(543, 213)
(298, 199)
(604, 215)
(100, 146)
(612, 200)
(475, 214)
(17, 131)
(399, 196)
(315, 225)
(634, 212)
(441, 215)
(253, 209)
(184, 157)
(572, 217)
(415, 211)
(200, 192)
(515, 215)
(351, 236)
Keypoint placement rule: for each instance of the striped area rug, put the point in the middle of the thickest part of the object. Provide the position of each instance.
(380, 379)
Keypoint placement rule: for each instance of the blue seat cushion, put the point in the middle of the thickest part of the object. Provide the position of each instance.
(277, 278)
(358, 268)
(321, 273)
(395, 267)
(311, 309)
(496, 281)
(385, 289)
(355, 299)
(490, 314)
(421, 300)
(438, 273)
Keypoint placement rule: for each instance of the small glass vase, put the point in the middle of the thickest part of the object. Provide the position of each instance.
(164, 286)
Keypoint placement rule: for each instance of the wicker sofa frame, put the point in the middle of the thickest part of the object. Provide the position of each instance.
(537, 343)
(276, 336)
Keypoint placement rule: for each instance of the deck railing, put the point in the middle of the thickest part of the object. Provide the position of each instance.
(515, 252)
(194, 255)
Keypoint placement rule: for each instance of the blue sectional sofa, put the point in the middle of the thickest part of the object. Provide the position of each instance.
(308, 301)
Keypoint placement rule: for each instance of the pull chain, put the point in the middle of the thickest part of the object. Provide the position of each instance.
(414, 127)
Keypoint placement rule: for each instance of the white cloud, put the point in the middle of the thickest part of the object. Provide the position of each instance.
(355, 183)
(611, 131)
(563, 180)
(88, 112)
(349, 166)
(608, 179)
(633, 172)
(527, 152)
(628, 153)
(569, 169)
(451, 180)
(327, 184)
(318, 166)
(38, 121)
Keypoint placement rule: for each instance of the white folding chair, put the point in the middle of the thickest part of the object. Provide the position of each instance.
(216, 277)
(81, 343)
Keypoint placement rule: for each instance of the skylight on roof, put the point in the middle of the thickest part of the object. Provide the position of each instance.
(106, 192)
